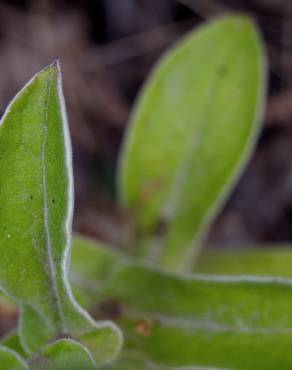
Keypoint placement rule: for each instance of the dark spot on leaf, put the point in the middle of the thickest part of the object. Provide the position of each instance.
(31, 197)
(53, 201)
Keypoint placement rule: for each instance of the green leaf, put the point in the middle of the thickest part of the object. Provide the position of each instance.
(136, 361)
(67, 352)
(62, 354)
(92, 265)
(239, 323)
(12, 341)
(199, 319)
(10, 360)
(191, 133)
(36, 196)
(263, 261)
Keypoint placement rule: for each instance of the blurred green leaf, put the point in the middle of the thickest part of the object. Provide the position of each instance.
(136, 361)
(10, 360)
(36, 196)
(12, 341)
(64, 353)
(192, 131)
(239, 323)
(92, 265)
(262, 261)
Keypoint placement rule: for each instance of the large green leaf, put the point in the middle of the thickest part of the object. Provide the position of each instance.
(192, 131)
(36, 196)
(239, 323)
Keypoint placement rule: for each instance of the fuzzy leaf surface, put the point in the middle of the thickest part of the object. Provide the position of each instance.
(192, 130)
(64, 353)
(194, 320)
(36, 196)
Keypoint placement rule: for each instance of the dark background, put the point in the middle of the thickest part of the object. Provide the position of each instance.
(107, 48)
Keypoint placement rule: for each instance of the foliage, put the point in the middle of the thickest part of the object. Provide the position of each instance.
(194, 319)
(192, 130)
(36, 193)
(264, 261)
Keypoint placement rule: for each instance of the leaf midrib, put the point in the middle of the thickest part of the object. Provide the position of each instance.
(192, 324)
(57, 306)
(169, 210)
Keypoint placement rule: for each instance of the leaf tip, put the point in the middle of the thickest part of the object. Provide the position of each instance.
(55, 66)
(56, 62)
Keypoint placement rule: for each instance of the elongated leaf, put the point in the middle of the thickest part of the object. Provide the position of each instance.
(36, 196)
(136, 361)
(264, 261)
(192, 130)
(239, 323)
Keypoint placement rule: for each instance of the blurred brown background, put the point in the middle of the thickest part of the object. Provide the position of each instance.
(107, 48)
